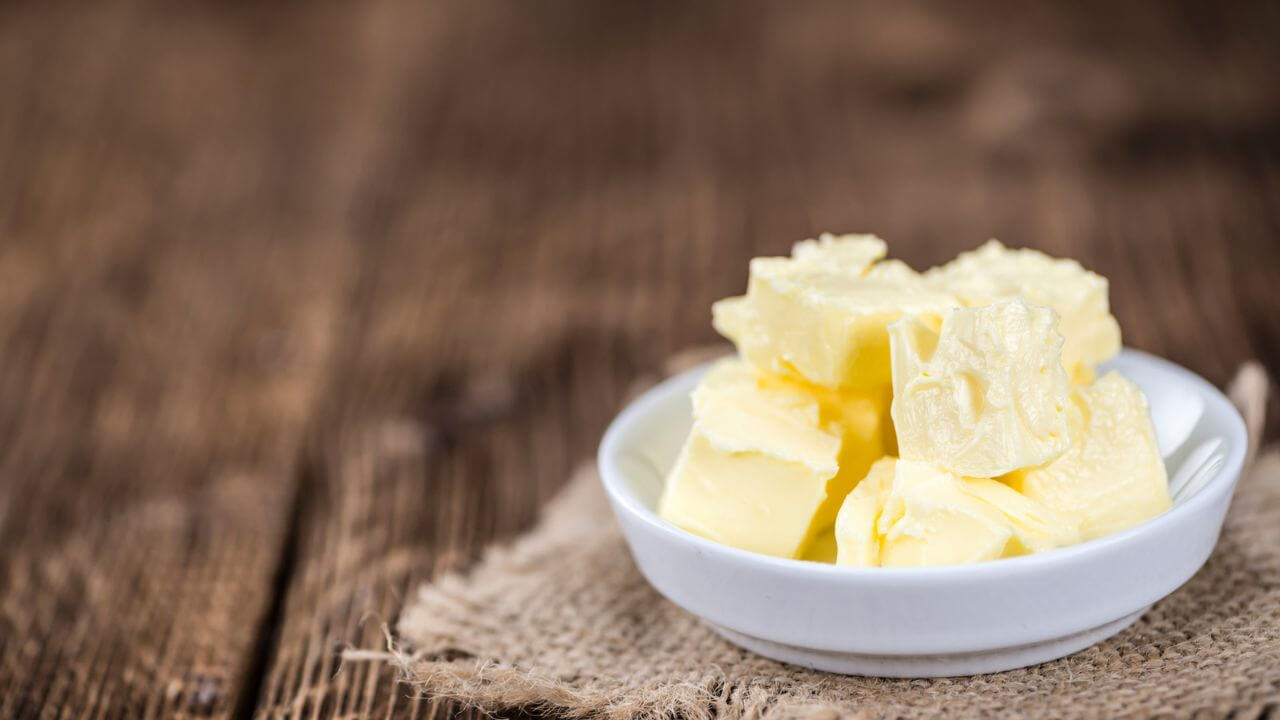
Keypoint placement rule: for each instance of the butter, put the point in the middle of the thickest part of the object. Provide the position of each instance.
(823, 315)
(861, 416)
(900, 273)
(1112, 477)
(769, 460)
(983, 396)
(856, 536)
(979, 374)
(914, 514)
(733, 319)
(1080, 297)
(847, 253)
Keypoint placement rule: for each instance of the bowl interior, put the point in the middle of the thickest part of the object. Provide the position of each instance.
(1197, 430)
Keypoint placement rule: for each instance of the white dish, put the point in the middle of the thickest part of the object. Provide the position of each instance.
(932, 622)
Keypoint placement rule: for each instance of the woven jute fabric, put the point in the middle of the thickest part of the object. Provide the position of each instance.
(561, 621)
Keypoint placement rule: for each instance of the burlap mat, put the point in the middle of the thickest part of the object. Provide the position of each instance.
(561, 621)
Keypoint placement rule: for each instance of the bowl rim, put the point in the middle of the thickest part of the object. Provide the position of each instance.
(1223, 481)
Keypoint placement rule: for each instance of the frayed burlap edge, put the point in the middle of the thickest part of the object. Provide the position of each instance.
(493, 686)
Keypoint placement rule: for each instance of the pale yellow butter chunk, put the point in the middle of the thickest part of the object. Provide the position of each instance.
(898, 273)
(822, 323)
(733, 319)
(734, 409)
(749, 500)
(1080, 297)
(857, 542)
(914, 514)
(1112, 477)
(847, 253)
(768, 460)
(862, 418)
(983, 396)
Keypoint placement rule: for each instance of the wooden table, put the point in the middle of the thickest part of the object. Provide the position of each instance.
(301, 303)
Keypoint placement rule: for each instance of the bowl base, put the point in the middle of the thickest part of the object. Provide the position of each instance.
(929, 666)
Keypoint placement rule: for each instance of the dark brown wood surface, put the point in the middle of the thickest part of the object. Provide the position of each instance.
(301, 303)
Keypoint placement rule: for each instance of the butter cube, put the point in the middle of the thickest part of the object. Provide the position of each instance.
(862, 418)
(768, 460)
(985, 395)
(824, 323)
(734, 319)
(914, 514)
(848, 253)
(857, 539)
(1112, 477)
(994, 272)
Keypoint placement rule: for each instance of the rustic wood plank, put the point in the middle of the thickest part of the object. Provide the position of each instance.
(171, 290)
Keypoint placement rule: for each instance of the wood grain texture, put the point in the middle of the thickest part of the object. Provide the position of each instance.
(302, 303)
(171, 304)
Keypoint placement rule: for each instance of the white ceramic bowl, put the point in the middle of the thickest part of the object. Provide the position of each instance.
(930, 622)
